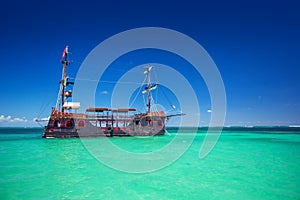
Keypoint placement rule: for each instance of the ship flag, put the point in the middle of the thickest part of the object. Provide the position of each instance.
(65, 52)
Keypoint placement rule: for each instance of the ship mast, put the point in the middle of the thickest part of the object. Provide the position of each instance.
(64, 80)
(149, 87)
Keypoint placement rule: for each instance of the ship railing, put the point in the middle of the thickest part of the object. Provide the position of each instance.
(115, 117)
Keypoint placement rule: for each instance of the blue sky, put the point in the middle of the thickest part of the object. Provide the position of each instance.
(255, 45)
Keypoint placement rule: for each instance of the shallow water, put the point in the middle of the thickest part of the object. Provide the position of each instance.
(244, 164)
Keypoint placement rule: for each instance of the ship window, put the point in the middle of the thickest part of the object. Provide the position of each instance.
(81, 124)
(56, 123)
(69, 123)
(137, 122)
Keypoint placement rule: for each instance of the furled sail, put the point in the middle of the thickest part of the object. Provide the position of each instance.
(153, 87)
(71, 105)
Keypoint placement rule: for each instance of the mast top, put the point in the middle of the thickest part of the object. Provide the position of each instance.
(64, 55)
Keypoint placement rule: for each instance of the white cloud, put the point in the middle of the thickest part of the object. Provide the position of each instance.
(209, 110)
(11, 119)
(19, 119)
(104, 92)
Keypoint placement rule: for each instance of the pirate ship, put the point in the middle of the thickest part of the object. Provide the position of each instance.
(101, 121)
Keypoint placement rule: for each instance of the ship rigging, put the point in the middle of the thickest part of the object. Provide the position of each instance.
(102, 121)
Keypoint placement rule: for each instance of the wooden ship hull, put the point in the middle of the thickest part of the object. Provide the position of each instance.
(107, 124)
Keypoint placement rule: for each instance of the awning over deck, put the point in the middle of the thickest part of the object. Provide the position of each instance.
(123, 109)
(96, 109)
(110, 109)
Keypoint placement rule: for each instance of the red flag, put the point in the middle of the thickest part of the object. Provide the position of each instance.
(65, 52)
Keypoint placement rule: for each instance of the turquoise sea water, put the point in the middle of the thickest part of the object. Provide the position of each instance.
(253, 163)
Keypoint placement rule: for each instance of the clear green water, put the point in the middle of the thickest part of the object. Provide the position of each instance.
(245, 164)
